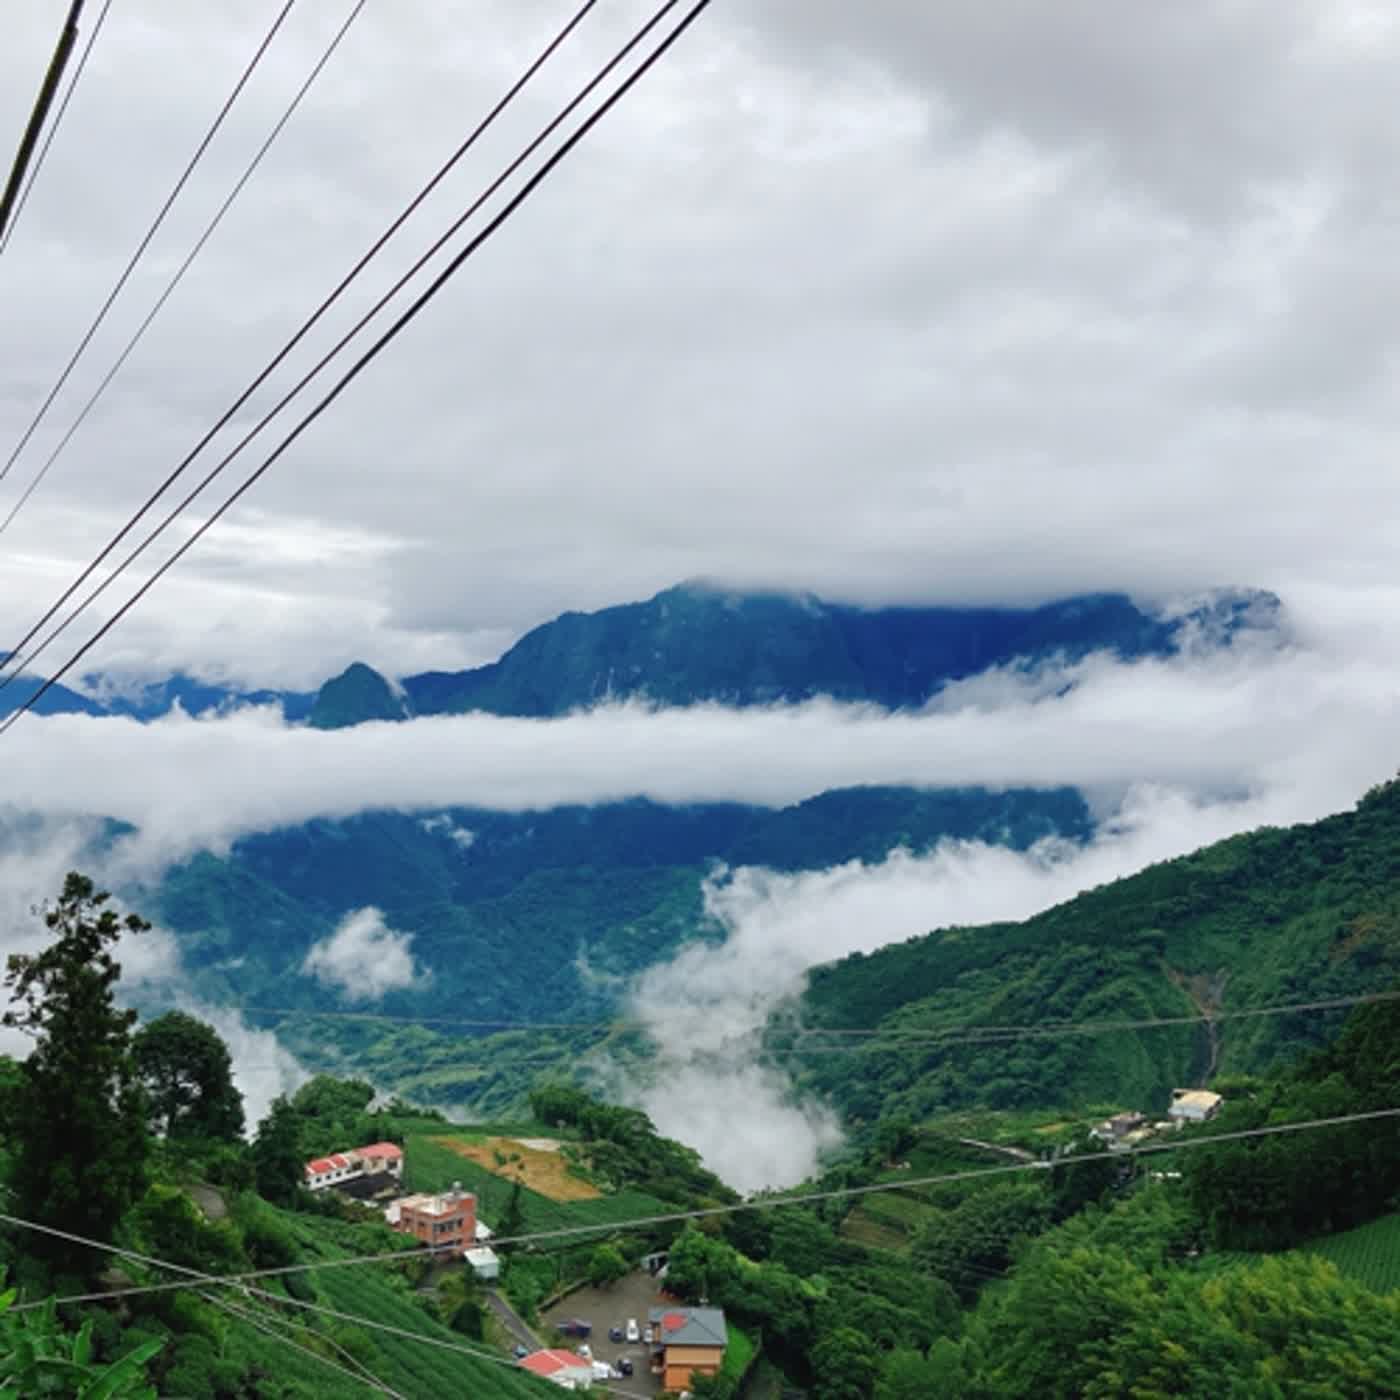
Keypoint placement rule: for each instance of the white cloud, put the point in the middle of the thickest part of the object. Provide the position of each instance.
(363, 958)
(975, 306)
(1316, 720)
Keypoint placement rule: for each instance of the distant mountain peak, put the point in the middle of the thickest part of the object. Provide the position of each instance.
(706, 641)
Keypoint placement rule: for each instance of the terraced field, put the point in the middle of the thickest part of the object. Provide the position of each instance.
(537, 1161)
(1370, 1254)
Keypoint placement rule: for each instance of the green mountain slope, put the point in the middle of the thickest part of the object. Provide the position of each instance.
(1275, 916)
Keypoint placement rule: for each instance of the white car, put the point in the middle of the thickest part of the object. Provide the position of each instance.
(634, 1333)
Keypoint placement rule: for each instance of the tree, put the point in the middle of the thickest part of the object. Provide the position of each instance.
(80, 1160)
(278, 1168)
(188, 1075)
(846, 1365)
(607, 1265)
(512, 1221)
(37, 1357)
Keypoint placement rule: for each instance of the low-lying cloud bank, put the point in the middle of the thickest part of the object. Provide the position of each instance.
(1173, 753)
(1233, 723)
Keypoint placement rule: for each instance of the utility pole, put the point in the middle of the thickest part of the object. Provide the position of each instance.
(57, 64)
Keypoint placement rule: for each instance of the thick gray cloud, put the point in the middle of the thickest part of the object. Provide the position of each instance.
(904, 302)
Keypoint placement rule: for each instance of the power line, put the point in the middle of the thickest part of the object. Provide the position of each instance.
(194, 1279)
(880, 1037)
(394, 330)
(145, 241)
(17, 658)
(9, 232)
(67, 37)
(184, 267)
(774, 1202)
(372, 1382)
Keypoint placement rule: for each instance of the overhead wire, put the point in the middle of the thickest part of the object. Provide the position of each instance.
(253, 1320)
(777, 1201)
(53, 75)
(379, 344)
(9, 228)
(136, 336)
(195, 1280)
(880, 1036)
(18, 657)
(150, 233)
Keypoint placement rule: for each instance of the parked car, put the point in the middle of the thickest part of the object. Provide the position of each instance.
(647, 1336)
(574, 1327)
(521, 1351)
(614, 1334)
(634, 1333)
(624, 1366)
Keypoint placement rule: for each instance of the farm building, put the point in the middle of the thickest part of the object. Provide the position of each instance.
(686, 1342)
(442, 1222)
(1193, 1105)
(376, 1159)
(565, 1368)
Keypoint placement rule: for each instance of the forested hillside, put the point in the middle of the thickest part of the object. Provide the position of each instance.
(1274, 916)
(530, 916)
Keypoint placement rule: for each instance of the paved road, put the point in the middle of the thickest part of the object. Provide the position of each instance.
(1016, 1153)
(511, 1320)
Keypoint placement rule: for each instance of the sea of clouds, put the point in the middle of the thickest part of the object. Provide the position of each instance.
(1172, 754)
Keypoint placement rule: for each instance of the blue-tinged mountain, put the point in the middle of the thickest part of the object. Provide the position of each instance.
(99, 698)
(696, 643)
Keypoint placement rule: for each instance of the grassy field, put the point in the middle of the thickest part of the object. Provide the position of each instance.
(430, 1166)
(540, 1167)
(1370, 1254)
(739, 1354)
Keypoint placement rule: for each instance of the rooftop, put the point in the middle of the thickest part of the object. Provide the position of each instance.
(691, 1327)
(449, 1203)
(390, 1151)
(337, 1161)
(551, 1363)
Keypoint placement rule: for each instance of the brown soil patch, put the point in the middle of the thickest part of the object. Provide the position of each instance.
(541, 1169)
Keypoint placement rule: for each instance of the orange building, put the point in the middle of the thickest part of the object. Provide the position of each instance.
(443, 1222)
(686, 1342)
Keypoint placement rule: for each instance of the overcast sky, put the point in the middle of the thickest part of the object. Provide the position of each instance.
(893, 301)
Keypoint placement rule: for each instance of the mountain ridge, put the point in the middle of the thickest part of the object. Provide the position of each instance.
(698, 643)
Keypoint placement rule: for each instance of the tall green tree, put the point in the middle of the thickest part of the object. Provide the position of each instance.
(278, 1169)
(188, 1076)
(80, 1151)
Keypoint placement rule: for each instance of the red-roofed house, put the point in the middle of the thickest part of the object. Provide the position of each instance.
(327, 1171)
(564, 1368)
(380, 1157)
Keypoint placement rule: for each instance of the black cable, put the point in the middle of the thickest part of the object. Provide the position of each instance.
(410, 314)
(16, 657)
(53, 74)
(145, 242)
(183, 268)
(53, 129)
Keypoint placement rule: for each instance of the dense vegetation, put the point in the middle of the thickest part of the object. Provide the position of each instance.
(1086, 1277)
(537, 916)
(1272, 917)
